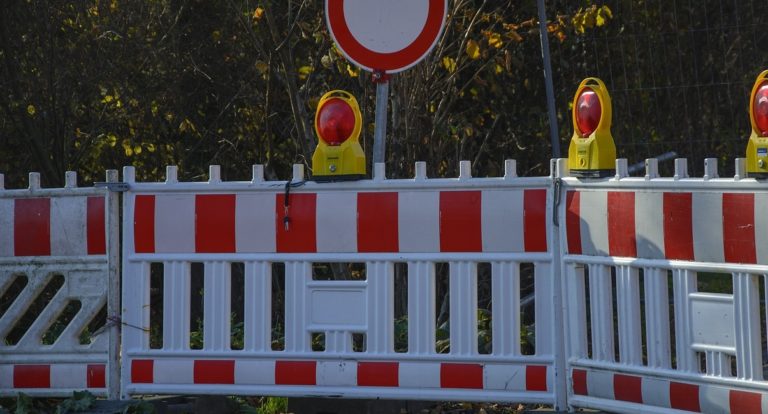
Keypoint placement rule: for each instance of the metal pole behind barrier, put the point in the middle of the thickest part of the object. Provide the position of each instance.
(552, 113)
(380, 131)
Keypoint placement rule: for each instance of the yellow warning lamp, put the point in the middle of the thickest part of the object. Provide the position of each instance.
(757, 148)
(338, 122)
(592, 153)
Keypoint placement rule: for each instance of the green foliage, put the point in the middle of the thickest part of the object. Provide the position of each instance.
(140, 407)
(93, 85)
(273, 405)
(79, 402)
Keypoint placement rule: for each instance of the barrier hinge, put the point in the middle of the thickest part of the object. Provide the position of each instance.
(116, 187)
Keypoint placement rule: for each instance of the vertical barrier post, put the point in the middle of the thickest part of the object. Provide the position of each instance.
(555, 198)
(113, 286)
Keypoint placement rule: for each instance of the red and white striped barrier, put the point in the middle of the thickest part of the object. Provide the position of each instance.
(649, 394)
(716, 227)
(59, 376)
(343, 373)
(52, 226)
(342, 222)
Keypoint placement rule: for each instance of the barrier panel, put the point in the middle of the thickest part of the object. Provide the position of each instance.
(642, 334)
(339, 335)
(58, 265)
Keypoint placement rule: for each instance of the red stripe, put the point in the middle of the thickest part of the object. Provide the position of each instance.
(739, 228)
(295, 373)
(627, 388)
(536, 378)
(678, 226)
(96, 375)
(684, 396)
(214, 372)
(745, 402)
(621, 224)
(301, 234)
(142, 371)
(573, 221)
(97, 243)
(535, 224)
(31, 376)
(377, 226)
(144, 224)
(461, 376)
(32, 227)
(215, 223)
(378, 374)
(580, 381)
(460, 225)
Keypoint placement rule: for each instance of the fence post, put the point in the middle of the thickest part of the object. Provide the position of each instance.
(555, 196)
(113, 285)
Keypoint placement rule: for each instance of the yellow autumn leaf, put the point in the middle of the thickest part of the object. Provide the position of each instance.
(449, 64)
(151, 147)
(353, 72)
(607, 11)
(31, 110)
(494, 40)
(258, 14)
(262, 67)
(473, 49)
(304, 72)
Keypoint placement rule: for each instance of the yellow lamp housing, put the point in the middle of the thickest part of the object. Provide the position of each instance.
(592, 153)
(757, 148)
(338, 122)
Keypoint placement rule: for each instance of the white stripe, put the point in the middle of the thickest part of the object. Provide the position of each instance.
(337, 373)
(174, 371)
(419, 375)
(336, 222)
(600, 384)
(655, 392)
(593, 209)
(761, 227)
(254, 372)
(502, 221)
(649, 225)
(763, 403)
(6, 227)
(68, 226)
(419, 221)
(175, 223)
(255, 223)
(504, 377)
(707, 212)
(714, 399)
(6, 377)
(69, 376)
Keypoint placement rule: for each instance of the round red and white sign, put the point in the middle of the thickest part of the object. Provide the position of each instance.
(388, 36)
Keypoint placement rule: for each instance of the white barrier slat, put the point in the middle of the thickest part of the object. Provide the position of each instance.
(600, 294)
(175, 223)
(419, 221)
(463, 309)
(381, 307)
(684, 283)
(216, 302)
(576, 298)
(421, 307)
(176, 307)
(628, 304)
(657, 318)
(505, 291)
(258, 306)
(544, 291)
(594, 222)
(707, 218)
(746, 302)
(297, 275)
(336, 222)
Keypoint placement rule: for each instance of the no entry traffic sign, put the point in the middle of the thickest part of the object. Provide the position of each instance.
(388, 36)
